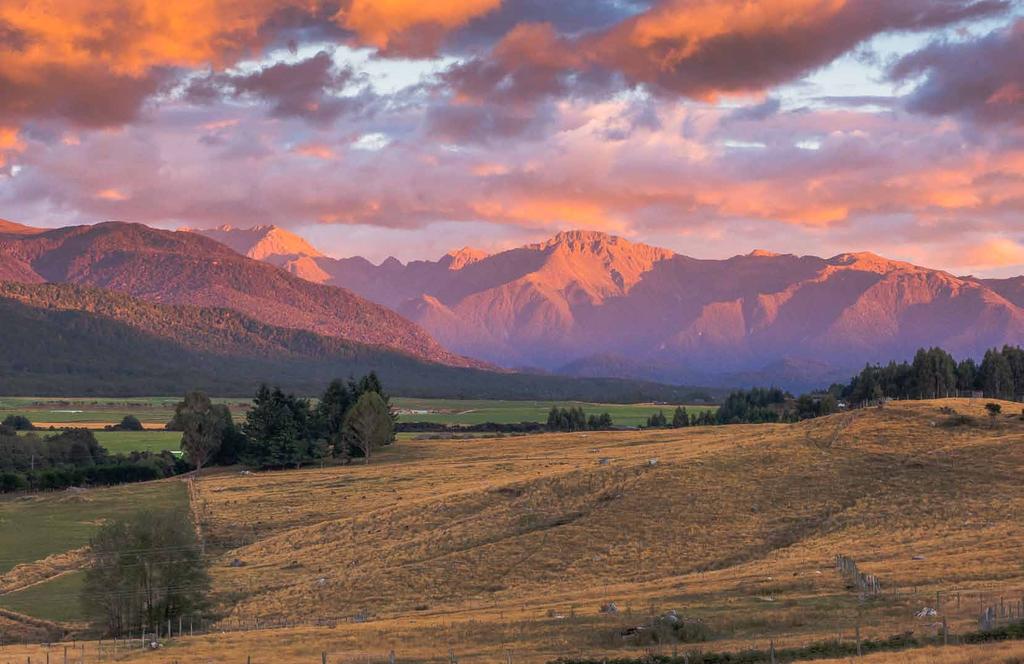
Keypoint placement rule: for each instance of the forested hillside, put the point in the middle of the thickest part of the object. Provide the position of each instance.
(62, 339)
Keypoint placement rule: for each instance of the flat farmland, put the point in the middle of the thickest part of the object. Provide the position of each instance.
(96, 413)
(155, 412)
(469, 412)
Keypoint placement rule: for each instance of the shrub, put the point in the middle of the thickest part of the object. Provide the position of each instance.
(18, 423)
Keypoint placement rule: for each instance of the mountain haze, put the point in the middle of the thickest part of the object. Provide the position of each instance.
(589, 303)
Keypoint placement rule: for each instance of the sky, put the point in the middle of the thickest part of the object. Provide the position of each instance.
(407, 128)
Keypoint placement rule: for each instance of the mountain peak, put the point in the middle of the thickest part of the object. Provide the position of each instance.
(867, 261)
(260, 242)
(582, 239)
(460, 258)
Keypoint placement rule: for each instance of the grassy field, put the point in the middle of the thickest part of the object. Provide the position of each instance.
(449, 411)
(483, 548)
(123, 442)
(56, 599)
(95, 413)
(35, 527)
(155, 412)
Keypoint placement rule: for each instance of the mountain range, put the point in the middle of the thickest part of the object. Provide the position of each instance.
(591, 304)
(65, 339)
(189, 269)
(123, 309)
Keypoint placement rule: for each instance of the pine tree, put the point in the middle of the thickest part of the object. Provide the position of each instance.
(680, 418)
(278, 427)
(996, 375)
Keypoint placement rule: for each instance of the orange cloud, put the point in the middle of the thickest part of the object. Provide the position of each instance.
(315, 150)
(690, 25)
(97, 62)
(995, 253)
(10, 141)
(377, 22)
(114, 195)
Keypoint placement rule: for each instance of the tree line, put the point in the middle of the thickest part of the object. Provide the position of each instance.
(350, 420)
(754, 406)
(72, 458)
(575, 419)
(935, 373)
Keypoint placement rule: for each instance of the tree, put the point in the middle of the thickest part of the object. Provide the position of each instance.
(994, 410)
(368, 426)
(18, 423)
(934, 373)
(279, 431)
(334, 405)
(203, 426)
(657, 420)
(996, 375)
(129, 423)
(554, 419)
(680, 418)
(145, 570)
(967, 375)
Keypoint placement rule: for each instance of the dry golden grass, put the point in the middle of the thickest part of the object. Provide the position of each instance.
(29, 574)
(488, 546)
(990, 653)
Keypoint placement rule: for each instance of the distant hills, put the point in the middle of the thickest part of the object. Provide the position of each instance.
(188, 269)
(591, 304)
(66, 339)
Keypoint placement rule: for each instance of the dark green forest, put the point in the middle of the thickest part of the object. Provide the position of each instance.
(66, 352)
(935, 373)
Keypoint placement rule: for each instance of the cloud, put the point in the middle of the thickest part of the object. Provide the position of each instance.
(702, 48)
(309, 88)
(409, 27)
(765, 109)
(10, 143)
(981, 80)
(994, 253)
(96, 63)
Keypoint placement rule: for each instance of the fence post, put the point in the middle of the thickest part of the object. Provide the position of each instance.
(771, 651)
(858, 638)
(323, 657)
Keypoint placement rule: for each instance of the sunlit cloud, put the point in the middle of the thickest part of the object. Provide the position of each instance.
(713, 126)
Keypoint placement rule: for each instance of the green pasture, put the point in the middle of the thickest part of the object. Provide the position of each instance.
(125, 442)
(468, 412)
(154, 412)
(35, 526)
(95, 413)
(58, 599)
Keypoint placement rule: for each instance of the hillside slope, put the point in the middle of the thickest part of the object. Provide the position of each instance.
(592, 304)
(477, 545)
(63, 339)
(185, 268)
